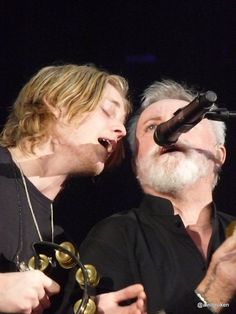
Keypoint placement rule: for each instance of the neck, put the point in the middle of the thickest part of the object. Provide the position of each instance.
(194, 211)
(196, 215)
(41, 170)
(187, 203)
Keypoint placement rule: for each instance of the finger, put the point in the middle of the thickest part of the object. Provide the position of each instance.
(231, 256)
(45, 302)
(142, 295)
(141, 302)
(128, 292)
(132, 309)
(37, 310)
(229, 245)
(51, 287)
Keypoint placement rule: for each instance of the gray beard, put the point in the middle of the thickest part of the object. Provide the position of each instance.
(169, 174)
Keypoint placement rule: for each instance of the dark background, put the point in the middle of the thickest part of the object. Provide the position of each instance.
(191, 41)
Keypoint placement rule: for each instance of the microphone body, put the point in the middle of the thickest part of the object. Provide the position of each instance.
(167, 133)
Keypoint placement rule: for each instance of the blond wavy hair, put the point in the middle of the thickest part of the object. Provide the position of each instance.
(75, 88)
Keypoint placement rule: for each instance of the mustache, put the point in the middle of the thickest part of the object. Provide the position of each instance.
(181, 146)
(186, 148)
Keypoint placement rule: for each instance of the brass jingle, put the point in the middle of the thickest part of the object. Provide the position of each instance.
(90, 307)
(43, 262)
(230, 229)
(64, 259)
(93, 276)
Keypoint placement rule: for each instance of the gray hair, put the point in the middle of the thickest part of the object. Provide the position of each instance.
(169, 89)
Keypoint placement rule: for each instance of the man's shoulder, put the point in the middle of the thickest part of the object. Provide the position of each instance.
(4, 153)
(120, 219)
(225, 219)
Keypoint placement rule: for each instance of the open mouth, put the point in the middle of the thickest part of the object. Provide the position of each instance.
(108, 144)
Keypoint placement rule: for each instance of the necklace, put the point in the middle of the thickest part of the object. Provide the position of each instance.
(31, 207)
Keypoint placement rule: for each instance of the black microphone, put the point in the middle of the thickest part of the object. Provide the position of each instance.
(184, 119)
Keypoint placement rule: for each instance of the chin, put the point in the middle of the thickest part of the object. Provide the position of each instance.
(90, 170)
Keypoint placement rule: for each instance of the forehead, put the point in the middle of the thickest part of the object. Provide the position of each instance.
(112, 94)
(161, 108)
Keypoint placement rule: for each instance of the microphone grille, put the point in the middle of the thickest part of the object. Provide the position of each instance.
(211, 96)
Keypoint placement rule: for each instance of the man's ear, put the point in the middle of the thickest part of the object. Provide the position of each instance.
(221, 154)
(54, 110)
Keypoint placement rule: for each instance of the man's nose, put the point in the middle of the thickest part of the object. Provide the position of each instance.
(120, 130)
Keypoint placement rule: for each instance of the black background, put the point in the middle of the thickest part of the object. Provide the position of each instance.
(191, 41)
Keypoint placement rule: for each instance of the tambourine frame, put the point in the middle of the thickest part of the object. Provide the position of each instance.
(54, 246)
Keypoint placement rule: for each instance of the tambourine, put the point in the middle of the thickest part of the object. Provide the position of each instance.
(231, 228)
(67, 257)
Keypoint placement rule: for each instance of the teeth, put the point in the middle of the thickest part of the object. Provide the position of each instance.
(104, 142)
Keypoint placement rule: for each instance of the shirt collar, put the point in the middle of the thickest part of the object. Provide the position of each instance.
(159, 206)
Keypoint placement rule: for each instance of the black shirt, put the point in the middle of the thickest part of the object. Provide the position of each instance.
(150, 245)
(18, 231)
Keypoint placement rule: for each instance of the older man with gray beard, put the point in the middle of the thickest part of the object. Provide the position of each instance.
(174, 243)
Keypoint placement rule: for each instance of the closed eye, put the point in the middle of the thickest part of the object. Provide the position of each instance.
(110, 112)
(106, 112)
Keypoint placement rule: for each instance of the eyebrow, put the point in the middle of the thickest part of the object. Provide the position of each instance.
(151, 119)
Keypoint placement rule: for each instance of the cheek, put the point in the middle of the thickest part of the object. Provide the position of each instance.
(199, 138)
(144, 146)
